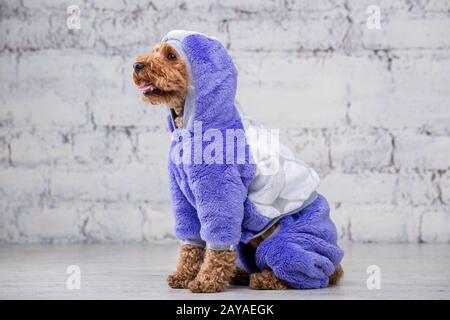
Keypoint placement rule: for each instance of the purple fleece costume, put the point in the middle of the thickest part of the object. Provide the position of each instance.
(224, 204)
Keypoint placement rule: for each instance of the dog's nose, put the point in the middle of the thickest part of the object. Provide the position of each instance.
(138, 66)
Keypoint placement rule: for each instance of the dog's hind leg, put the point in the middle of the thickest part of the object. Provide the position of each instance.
(336, 276)
(240, 277)
(266, 280)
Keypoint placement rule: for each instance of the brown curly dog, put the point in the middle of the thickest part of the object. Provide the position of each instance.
(162, 77)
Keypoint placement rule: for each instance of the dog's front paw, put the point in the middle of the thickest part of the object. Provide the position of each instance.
(191, 258)
(216, 272)
(178, 281)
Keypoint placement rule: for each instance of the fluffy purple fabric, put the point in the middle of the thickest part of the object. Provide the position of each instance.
(210, 201)
(303, 252)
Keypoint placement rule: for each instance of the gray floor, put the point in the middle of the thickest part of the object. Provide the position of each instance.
(138, 272)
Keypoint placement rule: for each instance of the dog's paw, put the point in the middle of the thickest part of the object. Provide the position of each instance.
(216, 272)
(191, 258)
(336, 276)
(178, 281)
(206, 286)
(240, 278)
(266, 280)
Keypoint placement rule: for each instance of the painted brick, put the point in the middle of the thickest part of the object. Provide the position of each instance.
(35, 222)
(112, 222)
(445, 187)
(32, 147)
(368, 109)
(422, 151)
(383, 223)
(23, 185)
(435, 224)
(361, 149)
(416, 188)
(310, 146)
(359, 188)
(103, 147)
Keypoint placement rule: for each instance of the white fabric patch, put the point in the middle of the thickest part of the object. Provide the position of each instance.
(181, 34)
(281, 191)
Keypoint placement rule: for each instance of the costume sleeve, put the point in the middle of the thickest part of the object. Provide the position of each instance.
(219, 194)
(187, 224)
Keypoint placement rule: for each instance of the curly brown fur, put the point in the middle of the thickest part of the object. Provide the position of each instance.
(216, 272)
(266, 280)
(336, 276)
(240, 277)
(163, 68)
(190, 260)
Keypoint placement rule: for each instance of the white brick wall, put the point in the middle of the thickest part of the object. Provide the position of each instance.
(82, 159)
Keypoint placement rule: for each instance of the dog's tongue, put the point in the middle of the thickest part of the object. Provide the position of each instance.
(147, 87)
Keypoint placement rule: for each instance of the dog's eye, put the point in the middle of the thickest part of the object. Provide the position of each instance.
(171, 56)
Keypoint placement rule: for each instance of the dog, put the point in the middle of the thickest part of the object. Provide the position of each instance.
(237, 224)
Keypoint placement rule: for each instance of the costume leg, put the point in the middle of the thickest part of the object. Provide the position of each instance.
(303, 252)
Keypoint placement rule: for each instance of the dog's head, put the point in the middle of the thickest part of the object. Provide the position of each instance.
(162, 77)
(194, 75)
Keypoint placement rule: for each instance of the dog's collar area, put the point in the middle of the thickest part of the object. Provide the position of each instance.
(177, 118)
